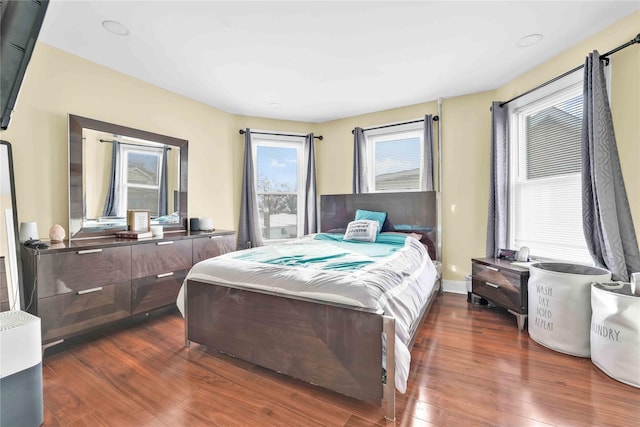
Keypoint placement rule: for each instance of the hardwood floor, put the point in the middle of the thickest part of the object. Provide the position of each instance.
(470, 366)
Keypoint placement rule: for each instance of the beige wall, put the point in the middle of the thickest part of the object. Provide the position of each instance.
(625, 94)
(58, 83)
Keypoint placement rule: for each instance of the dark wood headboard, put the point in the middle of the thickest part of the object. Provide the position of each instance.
(418, 209)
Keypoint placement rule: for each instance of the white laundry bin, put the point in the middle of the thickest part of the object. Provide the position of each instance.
(559, 302)
(615, 331)
(20, 370)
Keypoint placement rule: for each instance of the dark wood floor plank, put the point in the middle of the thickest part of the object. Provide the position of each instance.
(94, 393)
(470, 366)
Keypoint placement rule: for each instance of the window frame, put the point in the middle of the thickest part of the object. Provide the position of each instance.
(296, 142)
(393, 133)
(125, 150)
(552, 94)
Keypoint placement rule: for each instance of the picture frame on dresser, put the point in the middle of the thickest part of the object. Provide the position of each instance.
(138, 219)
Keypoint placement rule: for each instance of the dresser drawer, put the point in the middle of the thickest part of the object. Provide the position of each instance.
(212, 246)
(503, 287)
(69, 272)
(68, 314)
(156, 291)
(165, 256)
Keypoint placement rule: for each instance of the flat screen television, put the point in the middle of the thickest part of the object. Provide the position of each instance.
(20, 22)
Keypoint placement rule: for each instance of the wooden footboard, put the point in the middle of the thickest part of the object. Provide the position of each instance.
(335, 346)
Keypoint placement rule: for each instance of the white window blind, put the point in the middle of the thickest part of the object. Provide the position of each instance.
(140, 174)
(395, 158)
(545, 190)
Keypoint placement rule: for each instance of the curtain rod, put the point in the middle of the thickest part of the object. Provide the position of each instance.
(435, 119)
(242, 132)
(602, 57)
(136, 145)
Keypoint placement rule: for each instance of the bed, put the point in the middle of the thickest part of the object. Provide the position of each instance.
(267, 306)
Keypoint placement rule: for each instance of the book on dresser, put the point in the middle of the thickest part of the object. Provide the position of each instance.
(128, 234)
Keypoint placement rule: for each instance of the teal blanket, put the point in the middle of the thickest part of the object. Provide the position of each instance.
(326, 252)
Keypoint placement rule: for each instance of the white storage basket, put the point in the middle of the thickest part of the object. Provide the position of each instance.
(615, 331)
(560, 305)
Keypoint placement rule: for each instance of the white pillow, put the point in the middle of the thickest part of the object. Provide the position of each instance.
(362, 230)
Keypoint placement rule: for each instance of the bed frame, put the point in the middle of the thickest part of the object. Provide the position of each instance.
(331, 345)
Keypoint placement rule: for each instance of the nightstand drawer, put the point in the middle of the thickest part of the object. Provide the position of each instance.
(213, 246)
(500, 282)
(502, 293)
(65, 315)
(156, 291)
(69, 272)
(165, 256)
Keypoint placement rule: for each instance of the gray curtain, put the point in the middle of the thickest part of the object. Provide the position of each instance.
(498, 184)
(427, 176)
(249, 233)
(163, 201)
(310, 202)
(608, 226)
(111, 201)
(360, 183)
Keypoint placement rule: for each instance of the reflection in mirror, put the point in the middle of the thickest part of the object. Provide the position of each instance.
(114, 168)
(11, 292)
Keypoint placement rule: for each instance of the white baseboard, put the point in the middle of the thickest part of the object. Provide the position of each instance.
(454, 286)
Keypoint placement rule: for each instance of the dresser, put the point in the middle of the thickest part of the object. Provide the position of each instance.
(79, 285)
(502, 283)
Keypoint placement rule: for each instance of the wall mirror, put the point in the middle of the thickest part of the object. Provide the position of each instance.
(11, 291)
(114, 168)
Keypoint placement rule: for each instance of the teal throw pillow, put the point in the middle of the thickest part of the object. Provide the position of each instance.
(371, 215)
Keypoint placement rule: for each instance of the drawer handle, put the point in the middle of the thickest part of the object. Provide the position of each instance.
(168, 242)
(215, 237)
(88, 291)
(89, 251)
(159, 276)
(491, 268)
(493, 285)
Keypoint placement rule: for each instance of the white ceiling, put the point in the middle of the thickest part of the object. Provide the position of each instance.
(323, 60)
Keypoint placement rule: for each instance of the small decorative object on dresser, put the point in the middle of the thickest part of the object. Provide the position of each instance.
(503, 283)
(157, 231)
(206, 224)
(134, 234)
(28, 231)
(138, 219)
(56, 233)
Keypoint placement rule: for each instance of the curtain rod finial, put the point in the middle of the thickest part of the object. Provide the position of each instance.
(637, 39)
(241, 131)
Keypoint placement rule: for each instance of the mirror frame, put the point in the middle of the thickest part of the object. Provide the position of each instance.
(15, 225)
(77, 192)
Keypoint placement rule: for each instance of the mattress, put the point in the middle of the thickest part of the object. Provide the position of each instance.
(394, 274)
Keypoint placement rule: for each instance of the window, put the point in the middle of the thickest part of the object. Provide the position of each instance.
(279, 187)
(395, 158)
(140, 177)
(545, 180)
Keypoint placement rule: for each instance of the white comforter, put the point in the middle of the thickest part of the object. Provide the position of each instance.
(397, 280)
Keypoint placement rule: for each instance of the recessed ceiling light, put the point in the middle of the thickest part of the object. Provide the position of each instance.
(529, 40)
(275, 105)
(115, 27)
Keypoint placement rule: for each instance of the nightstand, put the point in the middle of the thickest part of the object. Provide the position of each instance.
(502, 283)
